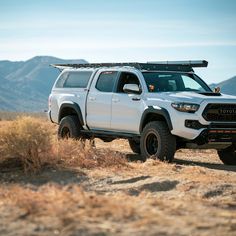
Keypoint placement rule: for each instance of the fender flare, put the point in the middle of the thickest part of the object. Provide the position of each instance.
(73, 106)
(162, 112)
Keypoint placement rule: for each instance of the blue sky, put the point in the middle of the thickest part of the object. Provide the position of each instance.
(124, 30)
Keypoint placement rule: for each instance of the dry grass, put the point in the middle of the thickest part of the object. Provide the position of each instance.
(12, 115)
(25, 138)
(50, 200)
(69, 210)
(75, 153)
(34, 142)
(96, 191)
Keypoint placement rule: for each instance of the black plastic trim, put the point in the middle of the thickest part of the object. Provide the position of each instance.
(194, 124)
(220, 135)
(110, 134)
(220, 112)
(50, 116)
(151, 110)
(75, 107)
(223, 125)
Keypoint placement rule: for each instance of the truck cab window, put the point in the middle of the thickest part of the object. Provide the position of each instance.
(61, 80)
(106, 81)
(126, 78)
(77, 79)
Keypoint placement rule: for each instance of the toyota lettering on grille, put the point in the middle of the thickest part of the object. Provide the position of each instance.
(227, 111)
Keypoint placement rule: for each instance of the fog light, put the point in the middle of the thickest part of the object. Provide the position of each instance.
(194, 124)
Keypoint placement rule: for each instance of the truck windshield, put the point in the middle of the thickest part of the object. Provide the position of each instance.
(171, 81)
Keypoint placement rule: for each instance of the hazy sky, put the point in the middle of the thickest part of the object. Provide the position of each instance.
(123, 30)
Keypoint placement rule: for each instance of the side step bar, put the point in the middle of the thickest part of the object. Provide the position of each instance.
(108, 134)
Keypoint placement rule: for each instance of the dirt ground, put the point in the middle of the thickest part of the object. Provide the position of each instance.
(195, 195)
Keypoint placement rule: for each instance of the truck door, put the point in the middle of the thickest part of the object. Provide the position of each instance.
(126, 108)
(99, 100)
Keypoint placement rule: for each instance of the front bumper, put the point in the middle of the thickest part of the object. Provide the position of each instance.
(190, 126)
(211, 135)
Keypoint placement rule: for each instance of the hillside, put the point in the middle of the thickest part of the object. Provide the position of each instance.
(227, 86)
(25, 85)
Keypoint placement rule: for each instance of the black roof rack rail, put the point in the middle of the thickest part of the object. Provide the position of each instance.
(186, 66)
(96, 65)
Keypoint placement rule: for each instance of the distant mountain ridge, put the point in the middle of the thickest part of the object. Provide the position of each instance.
(25, 85)
(227, 86)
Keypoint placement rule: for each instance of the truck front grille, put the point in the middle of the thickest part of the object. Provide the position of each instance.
(220, 112)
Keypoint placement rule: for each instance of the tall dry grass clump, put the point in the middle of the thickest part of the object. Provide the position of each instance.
(26, 138)
(34, 143)
(82, 154)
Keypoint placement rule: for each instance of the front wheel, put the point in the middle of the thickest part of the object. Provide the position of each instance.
(69, 127)
(228, 155)
(157, 141)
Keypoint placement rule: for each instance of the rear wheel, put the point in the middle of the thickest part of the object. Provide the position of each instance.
(157, 141)
(69, 127)
(135, 146)
(228, 155)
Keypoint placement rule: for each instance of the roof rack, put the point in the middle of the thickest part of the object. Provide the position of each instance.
(195, 63)
(186, 66)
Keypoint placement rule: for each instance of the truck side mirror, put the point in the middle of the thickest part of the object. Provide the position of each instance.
(217, 90)
(131, 88)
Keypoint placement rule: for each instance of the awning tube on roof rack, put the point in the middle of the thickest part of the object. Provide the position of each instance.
(192, 63)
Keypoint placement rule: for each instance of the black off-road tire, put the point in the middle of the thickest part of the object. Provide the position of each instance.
(69, 127)
(135, 146)
(157, 142)
(228, 155)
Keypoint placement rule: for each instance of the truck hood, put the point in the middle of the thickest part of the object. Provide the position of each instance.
(192, 97)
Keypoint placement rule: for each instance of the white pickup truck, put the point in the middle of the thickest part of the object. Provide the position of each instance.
(159, 107)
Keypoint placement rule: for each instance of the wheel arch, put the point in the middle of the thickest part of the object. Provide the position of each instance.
(152, 114)
(70, 109)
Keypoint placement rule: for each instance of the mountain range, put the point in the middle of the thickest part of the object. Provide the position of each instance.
(227, 86)
(25, 85)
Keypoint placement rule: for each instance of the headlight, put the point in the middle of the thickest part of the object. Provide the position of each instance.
(185, 107)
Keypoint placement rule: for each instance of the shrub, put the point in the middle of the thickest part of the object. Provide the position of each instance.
(26, 138)
(34, 143)
(82, 154)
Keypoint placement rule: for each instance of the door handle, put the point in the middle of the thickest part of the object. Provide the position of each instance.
(136, 99)
(115, 99)
(92, 98)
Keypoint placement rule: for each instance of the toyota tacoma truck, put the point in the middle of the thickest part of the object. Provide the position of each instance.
(159, 107)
